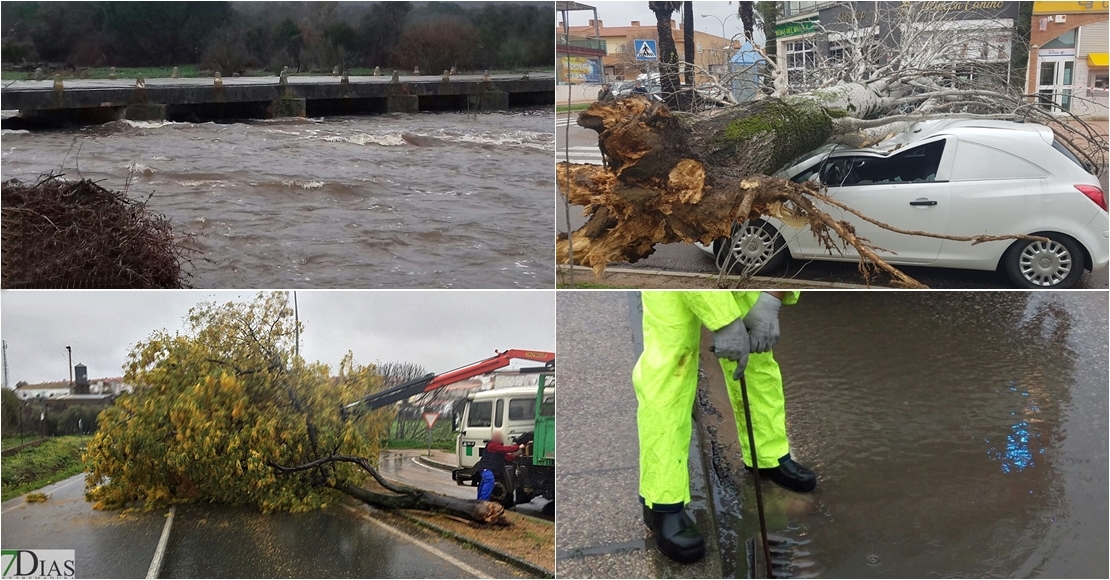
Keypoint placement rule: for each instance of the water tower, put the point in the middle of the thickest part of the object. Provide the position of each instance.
(81, 384)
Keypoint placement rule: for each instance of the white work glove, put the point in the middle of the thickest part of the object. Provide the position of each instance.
(731, 342)
(763, 322)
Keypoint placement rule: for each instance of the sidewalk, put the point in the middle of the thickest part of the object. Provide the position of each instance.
(600, 532)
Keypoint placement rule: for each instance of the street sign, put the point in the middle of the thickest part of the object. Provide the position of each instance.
(430, 419)
(645, 49)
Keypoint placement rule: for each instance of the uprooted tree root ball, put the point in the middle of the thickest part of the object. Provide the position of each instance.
(77, 234)
(672, 178)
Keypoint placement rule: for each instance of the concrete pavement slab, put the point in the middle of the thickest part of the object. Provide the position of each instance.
(599, 528)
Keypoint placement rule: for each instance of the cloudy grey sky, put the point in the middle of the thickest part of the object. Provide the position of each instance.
(440, 330)
(622, 13)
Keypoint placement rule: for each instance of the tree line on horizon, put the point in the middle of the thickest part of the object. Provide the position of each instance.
(304, 36)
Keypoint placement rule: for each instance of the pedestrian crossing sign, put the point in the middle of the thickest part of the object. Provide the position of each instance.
(645, 49)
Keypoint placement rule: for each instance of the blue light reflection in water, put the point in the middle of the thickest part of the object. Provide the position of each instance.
(1017, 455)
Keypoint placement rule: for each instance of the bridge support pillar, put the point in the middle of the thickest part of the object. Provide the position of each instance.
(144, 112)
(492, 99)
(402, 104)
(288, 107)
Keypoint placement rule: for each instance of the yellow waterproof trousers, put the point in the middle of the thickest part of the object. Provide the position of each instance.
(666, 378)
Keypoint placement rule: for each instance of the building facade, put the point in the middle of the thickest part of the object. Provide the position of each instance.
(48, 390)
(1068, 56)
(968, 39)
(112, 386)
(712, 53)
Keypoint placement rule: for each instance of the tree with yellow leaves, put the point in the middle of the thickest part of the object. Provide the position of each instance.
(220, 409)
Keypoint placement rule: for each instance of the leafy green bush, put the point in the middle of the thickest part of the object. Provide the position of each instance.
(54, 460)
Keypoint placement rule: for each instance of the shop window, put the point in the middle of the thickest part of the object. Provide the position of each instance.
(800, 59)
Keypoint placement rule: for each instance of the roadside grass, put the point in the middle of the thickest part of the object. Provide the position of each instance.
(420, 444)
(527, 538)
(193, 71)
(574, 107)
(155, 72)
(442, 437)
(30, 469)
(13, 441)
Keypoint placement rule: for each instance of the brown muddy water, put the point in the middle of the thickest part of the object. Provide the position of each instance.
(446, 200)
(953, 434)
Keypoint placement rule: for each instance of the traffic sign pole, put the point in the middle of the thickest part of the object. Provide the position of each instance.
(430, 421)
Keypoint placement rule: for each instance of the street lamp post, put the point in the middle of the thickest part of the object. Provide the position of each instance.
(722, 21)
(728, 39)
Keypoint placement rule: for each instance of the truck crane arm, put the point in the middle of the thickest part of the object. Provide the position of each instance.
(432, 381)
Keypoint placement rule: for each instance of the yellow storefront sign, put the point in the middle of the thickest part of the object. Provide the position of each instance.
(1098, 59)
(1069, 7)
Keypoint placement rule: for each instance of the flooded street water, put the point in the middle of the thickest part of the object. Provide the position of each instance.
(953, 434)
(446, 200)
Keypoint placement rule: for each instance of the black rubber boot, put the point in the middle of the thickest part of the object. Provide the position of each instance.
(676, 535)
(791, 475)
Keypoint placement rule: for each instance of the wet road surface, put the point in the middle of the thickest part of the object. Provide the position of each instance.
(953, 434)
(105, 544)
(689, 258)
(341, 541)
(425, 200)
(337, 542)
(402, 466)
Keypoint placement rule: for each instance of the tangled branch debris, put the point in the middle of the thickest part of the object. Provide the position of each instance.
(76, 234)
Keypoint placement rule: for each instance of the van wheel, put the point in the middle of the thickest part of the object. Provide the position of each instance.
(756, 247)
(1055, 264)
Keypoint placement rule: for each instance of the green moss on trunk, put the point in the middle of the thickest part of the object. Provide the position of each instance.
(760, 137)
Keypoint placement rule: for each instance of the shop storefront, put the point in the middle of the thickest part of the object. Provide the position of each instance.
(1068, 56)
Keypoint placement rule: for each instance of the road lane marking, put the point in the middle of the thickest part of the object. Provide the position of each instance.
(160, 551)
(431, 549)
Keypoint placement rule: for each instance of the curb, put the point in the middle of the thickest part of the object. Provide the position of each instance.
(514, 560)
(705, 275)
(435, 464)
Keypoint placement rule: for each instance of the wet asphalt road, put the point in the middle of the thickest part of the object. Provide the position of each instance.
(402, 466)
(340, 541)
(954, 434)
(689, 258)
(105, 544)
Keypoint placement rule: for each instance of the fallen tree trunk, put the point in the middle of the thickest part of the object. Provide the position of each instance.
(403, 497)
(671, 177)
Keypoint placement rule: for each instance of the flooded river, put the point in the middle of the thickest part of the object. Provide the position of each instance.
(425, 200)
(953, 434)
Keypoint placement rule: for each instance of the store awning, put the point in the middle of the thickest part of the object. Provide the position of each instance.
(1098, 59)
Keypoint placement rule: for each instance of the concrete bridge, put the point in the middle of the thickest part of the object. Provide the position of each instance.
(205, 99)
